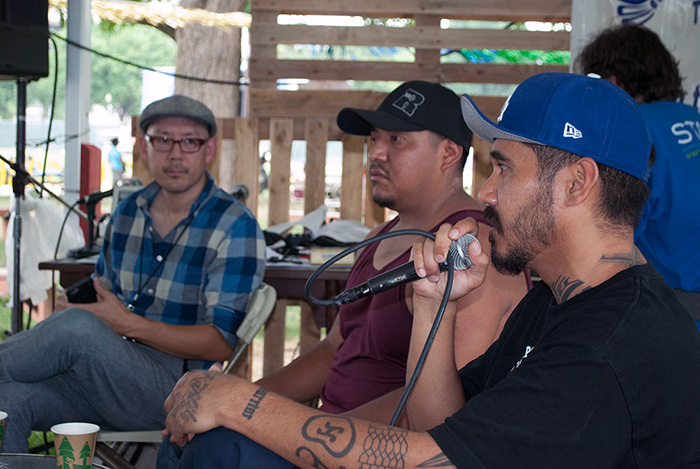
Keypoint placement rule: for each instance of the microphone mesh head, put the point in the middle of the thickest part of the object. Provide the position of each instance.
(458, 252)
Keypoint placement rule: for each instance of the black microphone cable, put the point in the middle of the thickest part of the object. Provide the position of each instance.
(438, 317)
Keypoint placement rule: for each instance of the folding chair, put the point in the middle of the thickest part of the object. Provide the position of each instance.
(260, 306)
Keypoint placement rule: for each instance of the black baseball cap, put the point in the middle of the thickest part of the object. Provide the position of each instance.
(413, 106)
(178, 106)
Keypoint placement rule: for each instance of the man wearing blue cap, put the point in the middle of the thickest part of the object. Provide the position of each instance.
(598, 366)
(179, 260)
(415, 165)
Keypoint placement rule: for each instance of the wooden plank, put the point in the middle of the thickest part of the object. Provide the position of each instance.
(309, 332)
(506, 10)
(265, 50)
(427, 54)
(428, 36)
(391, 71)
(351, 185)
(321, 103)
(281, 151)
(246, 162)
(215, 167)
(329, 103)
(315, 166)
(273, 350)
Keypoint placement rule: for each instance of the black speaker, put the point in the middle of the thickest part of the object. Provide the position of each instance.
(24, 39)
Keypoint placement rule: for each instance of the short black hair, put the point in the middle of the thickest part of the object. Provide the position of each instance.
(638, 59)
(623, 195)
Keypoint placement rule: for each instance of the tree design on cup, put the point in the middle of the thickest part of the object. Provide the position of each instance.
(72, 436)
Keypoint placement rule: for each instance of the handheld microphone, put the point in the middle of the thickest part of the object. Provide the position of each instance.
(95, 197)
(405, 273)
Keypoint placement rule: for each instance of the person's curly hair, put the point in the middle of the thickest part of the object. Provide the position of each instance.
(638, 59)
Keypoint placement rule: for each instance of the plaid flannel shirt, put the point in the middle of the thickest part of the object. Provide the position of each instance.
(216, 258)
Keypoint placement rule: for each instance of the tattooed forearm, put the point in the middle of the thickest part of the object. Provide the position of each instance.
(384, 447)
(190, 404)
(628, 259)
(564, 288)
(254, 403)
(439, 460)
(335, 434)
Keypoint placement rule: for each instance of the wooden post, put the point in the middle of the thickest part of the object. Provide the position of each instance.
(281, 135)
(246, 163)
(316, 135)
(351, 185)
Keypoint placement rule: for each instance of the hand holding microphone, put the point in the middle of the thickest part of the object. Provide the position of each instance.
(451, 242)
(429, 256)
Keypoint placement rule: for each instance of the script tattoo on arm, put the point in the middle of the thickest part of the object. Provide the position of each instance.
(628, 259)
(254, 403)
(564, 288)
(189, 403)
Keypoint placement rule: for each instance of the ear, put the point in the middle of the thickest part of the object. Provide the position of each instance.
(581, 178)
(450, 152)
(143, 147)
(211, 150)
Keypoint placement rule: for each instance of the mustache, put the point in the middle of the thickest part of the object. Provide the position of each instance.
(492, 216)
(379, 168)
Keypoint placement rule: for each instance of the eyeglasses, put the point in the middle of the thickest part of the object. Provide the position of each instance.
(165, 143)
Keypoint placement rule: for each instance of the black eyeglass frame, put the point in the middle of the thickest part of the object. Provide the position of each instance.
(164, 139)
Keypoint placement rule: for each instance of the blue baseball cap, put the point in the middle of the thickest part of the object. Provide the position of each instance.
(583, 115)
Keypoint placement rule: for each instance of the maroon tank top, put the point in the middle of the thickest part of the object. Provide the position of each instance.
(371, 361)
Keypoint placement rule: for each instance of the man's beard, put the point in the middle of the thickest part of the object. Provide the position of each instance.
(532, 230)
(384, 202)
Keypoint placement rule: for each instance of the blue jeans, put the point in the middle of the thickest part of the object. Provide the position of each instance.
(74, 367)
(222, 447)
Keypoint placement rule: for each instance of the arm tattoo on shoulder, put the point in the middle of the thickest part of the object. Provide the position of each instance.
(188, 410)
(629, 259)
(254, 402)
(564, 288)
(439, 460)
(384, 447)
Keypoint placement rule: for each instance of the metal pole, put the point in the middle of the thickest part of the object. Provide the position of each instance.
(18, 183)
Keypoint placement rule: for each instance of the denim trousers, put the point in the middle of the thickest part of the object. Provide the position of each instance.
(74, 367)
(222, 447)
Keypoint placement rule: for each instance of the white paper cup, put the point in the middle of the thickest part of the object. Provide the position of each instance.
(3, 417)
(74, 443)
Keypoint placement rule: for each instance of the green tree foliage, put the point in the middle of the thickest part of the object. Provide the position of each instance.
(139, 44)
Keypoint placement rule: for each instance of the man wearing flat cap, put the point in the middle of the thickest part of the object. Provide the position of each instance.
(597, 367)
(179, 260)
(419, 145)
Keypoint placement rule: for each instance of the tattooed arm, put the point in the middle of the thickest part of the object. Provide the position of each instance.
(302, 435)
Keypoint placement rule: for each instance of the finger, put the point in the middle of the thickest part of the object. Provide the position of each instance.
(216, 366)
(442, 242)
(417, 256)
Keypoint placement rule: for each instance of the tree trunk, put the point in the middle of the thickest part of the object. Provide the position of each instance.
(213, 53)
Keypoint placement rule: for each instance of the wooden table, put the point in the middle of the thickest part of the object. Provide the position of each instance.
(288, 279)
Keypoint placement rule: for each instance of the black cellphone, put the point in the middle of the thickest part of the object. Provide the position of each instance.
(82, 291)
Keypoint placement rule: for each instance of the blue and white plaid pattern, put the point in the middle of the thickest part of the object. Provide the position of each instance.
(207, 277)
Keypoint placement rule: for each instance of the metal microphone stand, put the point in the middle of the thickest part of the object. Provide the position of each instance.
(18, 184)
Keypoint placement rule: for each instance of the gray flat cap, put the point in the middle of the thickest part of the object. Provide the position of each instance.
(178, 106)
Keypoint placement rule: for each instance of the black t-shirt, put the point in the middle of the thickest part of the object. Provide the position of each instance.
(610, 378)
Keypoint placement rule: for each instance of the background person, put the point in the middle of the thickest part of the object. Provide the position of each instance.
(634, 58)
(116, 162)
(179, 260)
(598, 365)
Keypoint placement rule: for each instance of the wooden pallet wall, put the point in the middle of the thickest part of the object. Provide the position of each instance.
(304, 107)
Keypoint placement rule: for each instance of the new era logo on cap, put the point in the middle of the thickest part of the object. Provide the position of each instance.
(571, 131)
(409, 101)
(610, 127)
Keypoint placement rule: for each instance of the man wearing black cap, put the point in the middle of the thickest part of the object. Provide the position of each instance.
(179, 260)
(598, 366)
(416, 160)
